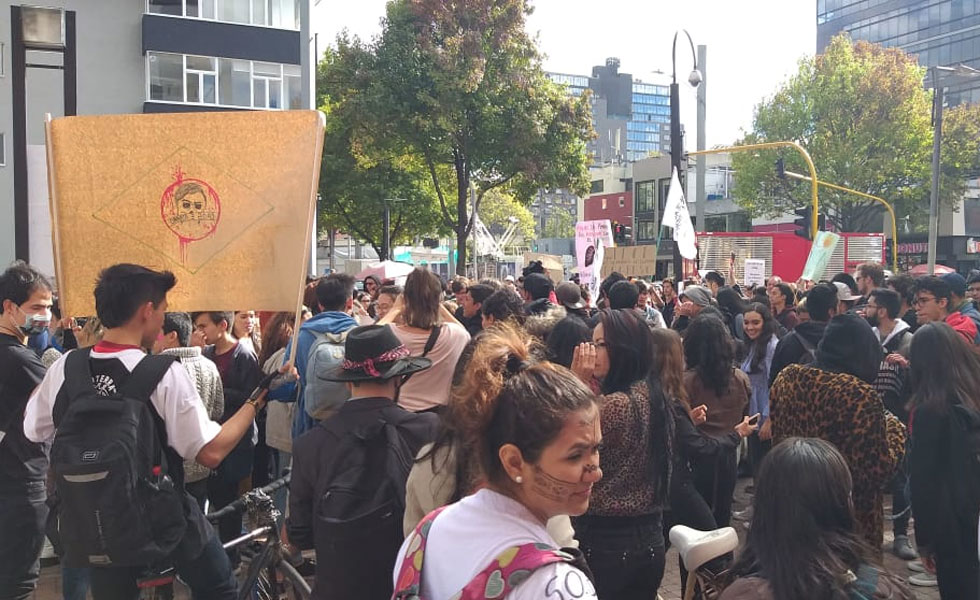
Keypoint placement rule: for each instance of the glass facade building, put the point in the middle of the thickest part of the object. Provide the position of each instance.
(939, 32)
(641, 115)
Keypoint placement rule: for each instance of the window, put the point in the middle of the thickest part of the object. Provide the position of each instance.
(223, 81)
(284, 14)
(646, 230)
(597, 186)
(646, 196)
(622, 202)
(604, 204)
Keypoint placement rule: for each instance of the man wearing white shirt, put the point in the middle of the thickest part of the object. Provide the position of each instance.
(131, 302)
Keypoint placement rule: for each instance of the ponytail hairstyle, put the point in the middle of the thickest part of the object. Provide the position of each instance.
(507, 396)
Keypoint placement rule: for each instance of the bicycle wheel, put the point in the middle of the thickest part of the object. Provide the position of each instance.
(294, 585)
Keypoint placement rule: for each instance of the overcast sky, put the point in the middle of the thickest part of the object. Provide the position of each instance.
(753, 45)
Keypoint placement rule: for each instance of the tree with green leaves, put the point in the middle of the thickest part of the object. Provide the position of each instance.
(862, 113)
(355, 185)
(460, 86)
(559, 224)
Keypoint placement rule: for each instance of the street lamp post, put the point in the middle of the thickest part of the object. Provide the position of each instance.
(676, 142)
(942, 77)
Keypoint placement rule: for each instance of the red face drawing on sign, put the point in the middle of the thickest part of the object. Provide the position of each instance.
(191, 209)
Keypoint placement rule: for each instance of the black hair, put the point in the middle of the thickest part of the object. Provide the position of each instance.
(787, 292)
(889, 300)
(630, 348)
(565, 337)
(820, 301)
(623, 294)
(710, 352)
(903, 284)
(479, 292)
(122, 289)
(333, 291)
(504, 305)
(935, 286)
(182, 324)
(731, 302)
(19, 282)
(847, 280)
(757, 348)
(973, 278)
(216, 317)
(938, 348)
(714, 277)
(391, 290)
(610, 281)
(803, 492)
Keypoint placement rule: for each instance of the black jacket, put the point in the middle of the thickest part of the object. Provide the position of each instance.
(20, 372)
(238, 383)
(790, 350)
(692, 445)
(315, 455)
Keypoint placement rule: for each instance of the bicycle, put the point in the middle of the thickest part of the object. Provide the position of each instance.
(697, 549)
(269, 575)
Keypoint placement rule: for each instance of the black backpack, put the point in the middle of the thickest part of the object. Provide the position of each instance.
(116, 504)
(359, 516)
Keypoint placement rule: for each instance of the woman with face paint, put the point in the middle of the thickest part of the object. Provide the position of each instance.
(533, 431)
(622, 534)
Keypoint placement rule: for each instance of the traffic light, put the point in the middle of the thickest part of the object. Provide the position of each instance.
(803, 222)
(780, 168)
(622, 234)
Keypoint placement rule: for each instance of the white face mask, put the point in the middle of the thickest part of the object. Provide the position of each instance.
(34, 324)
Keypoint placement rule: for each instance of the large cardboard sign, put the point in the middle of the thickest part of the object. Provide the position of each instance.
(224, 200)
(552, 265)
(638, 261)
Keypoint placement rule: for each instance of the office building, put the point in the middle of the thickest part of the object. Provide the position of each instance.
(631, 118)
(88, 57)
(939, 32)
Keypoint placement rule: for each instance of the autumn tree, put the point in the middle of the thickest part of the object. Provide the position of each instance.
(356, 185)
(461, 85)
(862, 113)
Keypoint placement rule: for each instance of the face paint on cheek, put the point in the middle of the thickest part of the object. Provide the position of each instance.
(552, 488)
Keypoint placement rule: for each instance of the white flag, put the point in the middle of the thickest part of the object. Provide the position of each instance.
(677, 218)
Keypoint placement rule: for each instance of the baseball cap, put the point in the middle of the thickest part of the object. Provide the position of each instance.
(844, 292)
(509, 278)
(569, 295)
(956, 283)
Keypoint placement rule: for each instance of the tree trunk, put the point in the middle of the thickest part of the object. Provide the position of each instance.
(462, 219)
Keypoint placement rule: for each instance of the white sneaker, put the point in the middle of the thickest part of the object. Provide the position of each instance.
(915, 566)
(923, 580)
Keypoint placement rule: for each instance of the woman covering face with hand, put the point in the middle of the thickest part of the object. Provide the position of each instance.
(535, 430)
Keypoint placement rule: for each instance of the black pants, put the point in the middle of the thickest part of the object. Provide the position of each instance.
(715, 481)
(688, 508)
(222, 493)
(901, 507)
(958, 574)
(626, 554)
(757, 451)
(209, 575)
(198, 490)
(23, 514)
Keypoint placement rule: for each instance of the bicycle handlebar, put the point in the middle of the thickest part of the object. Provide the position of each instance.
(239, 505)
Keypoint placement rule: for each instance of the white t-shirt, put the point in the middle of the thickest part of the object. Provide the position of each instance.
(176, 401)
(468, 535)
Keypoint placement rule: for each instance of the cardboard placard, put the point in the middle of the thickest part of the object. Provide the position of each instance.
(552, 265)
(225, 200)
(638, 261)
(589, 237)
(820, 253)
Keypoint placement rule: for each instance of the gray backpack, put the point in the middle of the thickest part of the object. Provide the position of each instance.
(323, 398)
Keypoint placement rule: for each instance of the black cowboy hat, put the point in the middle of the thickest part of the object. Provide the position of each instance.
(374, 353)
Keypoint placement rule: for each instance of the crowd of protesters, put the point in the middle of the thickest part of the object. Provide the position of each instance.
(444, 437)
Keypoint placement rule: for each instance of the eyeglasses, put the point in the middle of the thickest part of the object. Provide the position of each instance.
(923, 300)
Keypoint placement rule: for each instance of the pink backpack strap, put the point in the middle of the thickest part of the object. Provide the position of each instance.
(409, 585)
(511, 568)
